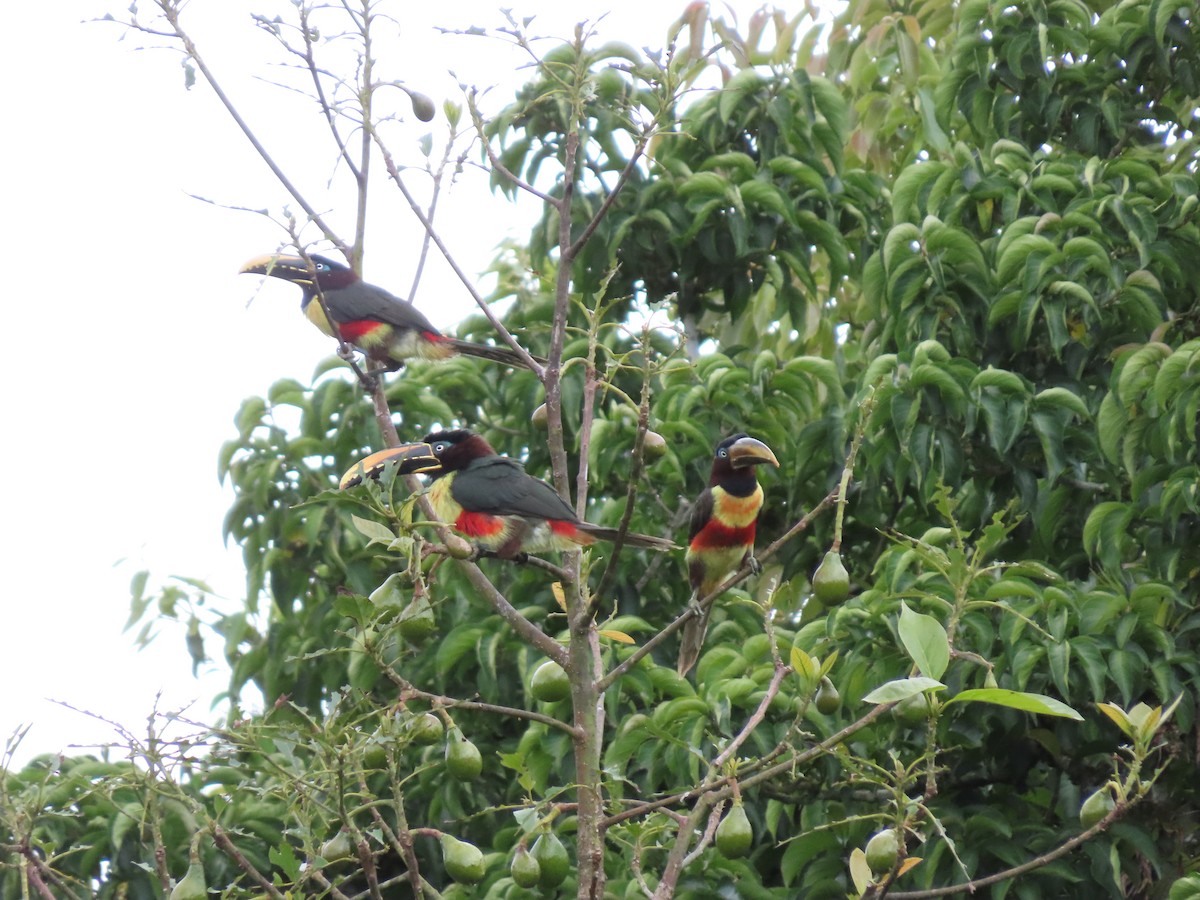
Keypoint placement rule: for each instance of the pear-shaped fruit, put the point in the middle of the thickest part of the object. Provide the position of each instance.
(540, 417)
(390, 594)
(463, 759)
(654, 446)
(525, 870)
(1096, 807)
(549, 682)
(426, 729)
(422, 106)
(828, 699)
(191, 886)
(552, 859)
(882, 850)
(734, 834)
(831, 581)
(417, 622)
(912, 710)
(463, 861)
(337, 847)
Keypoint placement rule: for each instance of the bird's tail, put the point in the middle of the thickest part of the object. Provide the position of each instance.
(632, 538)
(692, 640)
(505, 355)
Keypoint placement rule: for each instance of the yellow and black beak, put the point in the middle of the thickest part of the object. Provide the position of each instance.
(747, 451)
(410, 459)
(290, 268)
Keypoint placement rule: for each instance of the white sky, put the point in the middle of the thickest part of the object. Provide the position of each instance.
(132, 340)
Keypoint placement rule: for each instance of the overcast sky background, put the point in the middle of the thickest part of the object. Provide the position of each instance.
(132, 340)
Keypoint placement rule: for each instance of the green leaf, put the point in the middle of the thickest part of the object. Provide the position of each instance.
(735, 92)
(925, 640)
(373, 530)
(1034, 703)
(1063, 398)
(902, 689)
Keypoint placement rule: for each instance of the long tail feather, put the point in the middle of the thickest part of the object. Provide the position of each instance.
(632, 538)
(505, 355)
(692, 640)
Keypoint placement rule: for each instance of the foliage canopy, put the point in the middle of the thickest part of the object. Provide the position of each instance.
(957, 242)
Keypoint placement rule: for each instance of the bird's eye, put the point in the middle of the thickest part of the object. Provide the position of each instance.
(438, 448)
(722, 452)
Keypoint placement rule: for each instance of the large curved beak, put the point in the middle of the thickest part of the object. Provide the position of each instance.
(750, 452)
(410, 458)
(289, 268)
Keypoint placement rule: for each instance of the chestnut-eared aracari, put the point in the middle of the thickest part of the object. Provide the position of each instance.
(378, 323)
(721, 539)
(490, 500)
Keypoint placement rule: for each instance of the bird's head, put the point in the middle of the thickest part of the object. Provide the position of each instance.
(738, 452)
(307, 273)
(409, 458)
(455, 449)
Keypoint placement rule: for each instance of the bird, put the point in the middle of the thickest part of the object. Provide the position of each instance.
(721, 538)
(380, 324)
(490, 499)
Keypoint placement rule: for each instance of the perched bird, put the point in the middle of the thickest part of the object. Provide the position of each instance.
(380, 324)
(722, 533)
(490, 500)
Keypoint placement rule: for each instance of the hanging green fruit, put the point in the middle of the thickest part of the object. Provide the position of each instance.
(463, 861)
(552, 859)
(463, 759)
(549, 682)
(525, 870)
(735, 834)
(831, 581)
(882, 851)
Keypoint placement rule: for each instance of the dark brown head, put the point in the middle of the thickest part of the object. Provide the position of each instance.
(456, 449)
(735, 457)
(328, 274)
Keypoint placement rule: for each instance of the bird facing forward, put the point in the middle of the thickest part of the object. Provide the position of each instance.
(721, 538)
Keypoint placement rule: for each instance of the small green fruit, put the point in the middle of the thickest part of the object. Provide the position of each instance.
(463, 759)
(192, 886)
(828, 700)
(525, 870)
(734, 834)
(550, 682)
(552, 859)
(422, 106)
(1096, 807)
(337, 847)
(882, 851)
(426, 729)
(540, 417)
(463, 861)
(390, 594)
(831, 581)
(654, 446)
(912, 710)
(417, 622)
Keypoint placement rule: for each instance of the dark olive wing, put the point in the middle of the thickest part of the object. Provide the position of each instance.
(358, 301)
(500, 486)
(702, 511)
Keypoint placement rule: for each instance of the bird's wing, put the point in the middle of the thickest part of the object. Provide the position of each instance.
(361, 300)
(702, 511)
(499, 486)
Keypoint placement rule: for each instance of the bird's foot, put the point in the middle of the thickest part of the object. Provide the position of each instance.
(754, 565)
